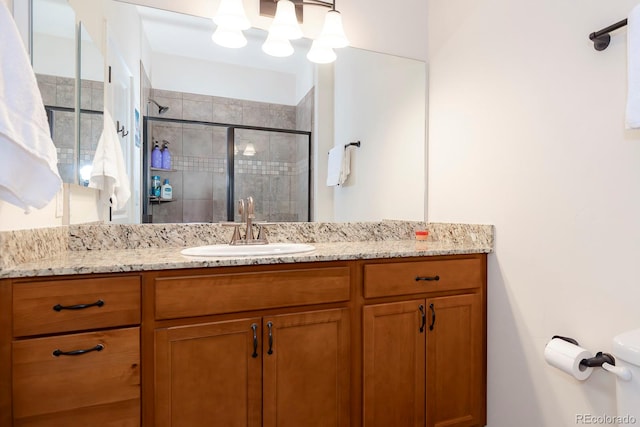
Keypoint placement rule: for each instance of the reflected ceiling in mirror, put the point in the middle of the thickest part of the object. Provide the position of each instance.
(173, 36)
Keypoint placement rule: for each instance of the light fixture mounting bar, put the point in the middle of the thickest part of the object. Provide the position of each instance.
(268, 8)
(330, 4)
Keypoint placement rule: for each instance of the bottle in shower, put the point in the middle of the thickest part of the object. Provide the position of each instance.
(166, 155)
(156, 156)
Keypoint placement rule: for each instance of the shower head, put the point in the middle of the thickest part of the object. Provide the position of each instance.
(161, 109)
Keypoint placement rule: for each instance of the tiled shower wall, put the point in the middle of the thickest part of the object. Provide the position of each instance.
(276, 176)
(60, 92)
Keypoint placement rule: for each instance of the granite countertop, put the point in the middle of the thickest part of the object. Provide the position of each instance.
(113, 248)
(128, 260)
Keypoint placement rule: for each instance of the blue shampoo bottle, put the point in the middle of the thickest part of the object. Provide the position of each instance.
(166, 155)
(156, 156)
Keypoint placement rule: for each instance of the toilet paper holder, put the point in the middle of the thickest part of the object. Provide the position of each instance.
(604, 360)
(592, 362)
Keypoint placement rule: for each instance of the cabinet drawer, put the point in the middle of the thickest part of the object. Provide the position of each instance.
(188, 296)
(37, 311)
(46, 387)
(403, 278)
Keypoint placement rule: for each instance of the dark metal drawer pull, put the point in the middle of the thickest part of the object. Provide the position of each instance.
(433, 317)
(59, 352)
(255, 340)
(270, 326)
(427, 278)
(59, 307)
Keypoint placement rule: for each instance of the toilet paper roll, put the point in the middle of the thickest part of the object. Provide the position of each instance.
(566, 357)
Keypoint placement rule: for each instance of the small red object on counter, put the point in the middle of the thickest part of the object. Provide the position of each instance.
(422, 235)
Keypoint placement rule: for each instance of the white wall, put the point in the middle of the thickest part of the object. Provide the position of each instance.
(225, 80)
(54, 56)
(527, 132)
(15, 218)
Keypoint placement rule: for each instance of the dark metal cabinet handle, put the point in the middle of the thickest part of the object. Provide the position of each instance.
(427, 278)
(59, 307)
(255, 340)
(270, 327)
(58, 352)
(433, 317)
(423, 316)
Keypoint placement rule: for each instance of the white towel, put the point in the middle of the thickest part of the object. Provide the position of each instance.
(633, 69)
(334, 170)
(108, 173)
(345, 170)
(28, 160)
(339, 166)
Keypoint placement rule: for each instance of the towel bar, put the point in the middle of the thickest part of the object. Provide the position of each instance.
(355, 144)
(602, 38)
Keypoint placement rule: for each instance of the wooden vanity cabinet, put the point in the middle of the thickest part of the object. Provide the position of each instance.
(75, 351)
(424, 352)
(360, 343)
(285, 363)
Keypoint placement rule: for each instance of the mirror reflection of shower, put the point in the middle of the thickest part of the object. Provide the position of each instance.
(161, 109)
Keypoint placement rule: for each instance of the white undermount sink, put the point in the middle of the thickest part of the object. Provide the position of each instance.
(248, 250)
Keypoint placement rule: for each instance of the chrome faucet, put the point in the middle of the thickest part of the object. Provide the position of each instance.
(249, 216)
(246, 209)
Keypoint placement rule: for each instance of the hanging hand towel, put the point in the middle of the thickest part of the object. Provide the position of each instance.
(633, 69)
(334, 170)
(28, 160)
(345, 169)
(108, 173)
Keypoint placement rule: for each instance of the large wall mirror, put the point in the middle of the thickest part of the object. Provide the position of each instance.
(188, 87)
(236, 124)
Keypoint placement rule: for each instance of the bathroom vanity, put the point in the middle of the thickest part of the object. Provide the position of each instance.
(354, 334)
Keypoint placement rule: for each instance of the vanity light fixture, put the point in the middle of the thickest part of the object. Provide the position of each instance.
(285, 23)
(249, 150)
(277, 46)
(231, 20)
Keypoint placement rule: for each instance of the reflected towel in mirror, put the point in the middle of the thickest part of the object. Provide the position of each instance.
(28, 161)
(109, 174)
(339, 166)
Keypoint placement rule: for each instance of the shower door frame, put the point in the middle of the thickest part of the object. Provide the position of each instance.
(230, 172)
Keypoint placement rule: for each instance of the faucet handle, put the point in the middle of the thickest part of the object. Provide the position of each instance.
(250, 208)
(241, 210)
(235, 238)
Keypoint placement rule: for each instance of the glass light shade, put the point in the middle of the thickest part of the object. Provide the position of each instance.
(85, 172)
(320, 53)
(231, 15)
(285, 23)
(249, 150)
(275, 46)
(228, 37)
(332, 33)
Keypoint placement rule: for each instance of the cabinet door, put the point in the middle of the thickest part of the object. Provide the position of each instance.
(455, 385)
(306, 369)
(208, 374)
(394, 365)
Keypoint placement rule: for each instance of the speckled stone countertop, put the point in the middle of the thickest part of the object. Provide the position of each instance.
(116, 248)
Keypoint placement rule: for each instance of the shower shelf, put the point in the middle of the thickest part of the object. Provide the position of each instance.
(163, 170)
(154, 199)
